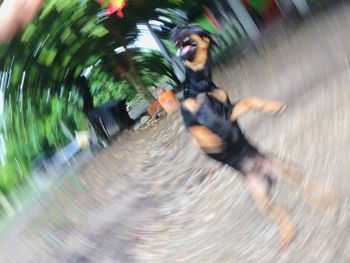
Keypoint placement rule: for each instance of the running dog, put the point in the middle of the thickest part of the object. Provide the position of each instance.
(211, 119)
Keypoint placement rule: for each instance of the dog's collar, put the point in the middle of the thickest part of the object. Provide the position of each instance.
(188, 92)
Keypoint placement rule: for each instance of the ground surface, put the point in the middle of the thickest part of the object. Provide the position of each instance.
(153, 197)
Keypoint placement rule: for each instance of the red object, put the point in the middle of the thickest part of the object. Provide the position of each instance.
(211, 18)
(273, 11)
(153, 108)
(111, 9)
(114, 6)
(120, 13)
(247, 5)
(168, 101)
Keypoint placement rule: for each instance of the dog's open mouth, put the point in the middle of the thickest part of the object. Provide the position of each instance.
(186, 46)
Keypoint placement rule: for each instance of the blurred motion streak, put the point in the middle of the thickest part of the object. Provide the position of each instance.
(94, 169)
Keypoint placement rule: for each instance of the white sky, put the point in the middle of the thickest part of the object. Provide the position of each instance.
(145, 39)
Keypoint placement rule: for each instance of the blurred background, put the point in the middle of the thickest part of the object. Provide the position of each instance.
(93, 169)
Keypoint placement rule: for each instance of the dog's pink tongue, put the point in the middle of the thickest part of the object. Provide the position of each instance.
(185, 50)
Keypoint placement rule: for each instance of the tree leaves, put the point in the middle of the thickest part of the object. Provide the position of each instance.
(64, 39)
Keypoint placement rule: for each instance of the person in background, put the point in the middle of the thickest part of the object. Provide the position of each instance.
(16, 15)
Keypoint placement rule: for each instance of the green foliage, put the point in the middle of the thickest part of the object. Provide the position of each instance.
(154, 68)
(51, 52)
(206, 24)
(33, 130)
(105, 86)
(259, 5)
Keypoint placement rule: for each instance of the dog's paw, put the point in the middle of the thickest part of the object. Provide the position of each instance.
(286, 228)
(275, 107)
(287, 236)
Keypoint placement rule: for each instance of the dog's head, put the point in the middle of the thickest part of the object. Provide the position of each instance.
(193, 42)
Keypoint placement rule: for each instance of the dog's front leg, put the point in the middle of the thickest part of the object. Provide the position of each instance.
(259, 187)
(254, 103)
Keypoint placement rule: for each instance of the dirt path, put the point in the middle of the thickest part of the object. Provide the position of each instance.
(153, 197)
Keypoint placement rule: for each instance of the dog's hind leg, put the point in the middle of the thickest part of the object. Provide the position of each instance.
(287, 173)
(259, 187)
(319, 195)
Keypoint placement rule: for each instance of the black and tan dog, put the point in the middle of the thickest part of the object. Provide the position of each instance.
(212, 120)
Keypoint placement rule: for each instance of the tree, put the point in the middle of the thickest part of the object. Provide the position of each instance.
(39, 67)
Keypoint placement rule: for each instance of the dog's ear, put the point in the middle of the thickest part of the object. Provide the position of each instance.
(213, 38)
(193, 29)
(174, 34)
